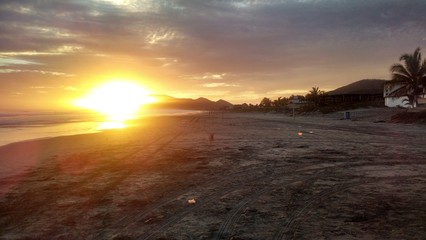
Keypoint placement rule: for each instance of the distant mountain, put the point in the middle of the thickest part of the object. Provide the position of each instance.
(366, 86)
(164, 101)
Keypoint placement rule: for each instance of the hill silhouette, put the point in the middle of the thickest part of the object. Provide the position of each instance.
(168, 102)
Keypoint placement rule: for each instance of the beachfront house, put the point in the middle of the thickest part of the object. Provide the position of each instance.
(392, 93)
(367, 90)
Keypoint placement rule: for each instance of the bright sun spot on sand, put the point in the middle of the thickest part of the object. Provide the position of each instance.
(117, 100)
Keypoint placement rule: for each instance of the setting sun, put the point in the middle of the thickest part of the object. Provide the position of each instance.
(117, 100)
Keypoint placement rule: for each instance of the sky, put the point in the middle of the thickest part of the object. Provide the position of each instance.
(237, 50)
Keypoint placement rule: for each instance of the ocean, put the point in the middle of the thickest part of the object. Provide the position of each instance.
(23, 126)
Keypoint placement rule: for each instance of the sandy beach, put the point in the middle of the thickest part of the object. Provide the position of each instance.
(221, 176)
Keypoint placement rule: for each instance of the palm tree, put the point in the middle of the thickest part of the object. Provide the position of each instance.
(315, 96)
(411, 75)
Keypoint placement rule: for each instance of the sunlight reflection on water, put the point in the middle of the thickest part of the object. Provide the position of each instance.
(22, 126)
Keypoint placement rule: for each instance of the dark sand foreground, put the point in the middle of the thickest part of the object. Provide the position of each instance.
(255, 178)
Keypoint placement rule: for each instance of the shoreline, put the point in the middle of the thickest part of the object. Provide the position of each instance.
(67, 124)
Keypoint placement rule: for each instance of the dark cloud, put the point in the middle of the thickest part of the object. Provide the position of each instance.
(267, 36)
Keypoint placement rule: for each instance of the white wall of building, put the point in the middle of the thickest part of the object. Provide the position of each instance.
(397, 102)
(391, 101)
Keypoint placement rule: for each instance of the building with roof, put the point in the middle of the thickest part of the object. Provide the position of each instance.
(367, 90)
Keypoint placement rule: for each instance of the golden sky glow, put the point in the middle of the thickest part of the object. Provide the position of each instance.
(52, 52)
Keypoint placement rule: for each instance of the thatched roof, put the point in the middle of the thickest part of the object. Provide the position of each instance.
(363, 87)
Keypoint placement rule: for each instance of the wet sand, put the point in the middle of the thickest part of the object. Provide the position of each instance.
(220, 176)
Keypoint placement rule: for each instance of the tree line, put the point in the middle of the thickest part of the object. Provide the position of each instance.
(314, 98)
(409, 76)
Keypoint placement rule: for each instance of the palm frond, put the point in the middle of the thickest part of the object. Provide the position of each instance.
(417, 55)
(412, 67)
(423, 67)
(400, 70)
(412, 62)
(400, 78)
(404, 57)
(423, 74)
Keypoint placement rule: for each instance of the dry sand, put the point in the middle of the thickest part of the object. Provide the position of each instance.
(255, 178)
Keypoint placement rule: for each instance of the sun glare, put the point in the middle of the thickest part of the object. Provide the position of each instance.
(111, 125)
(117, 100)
